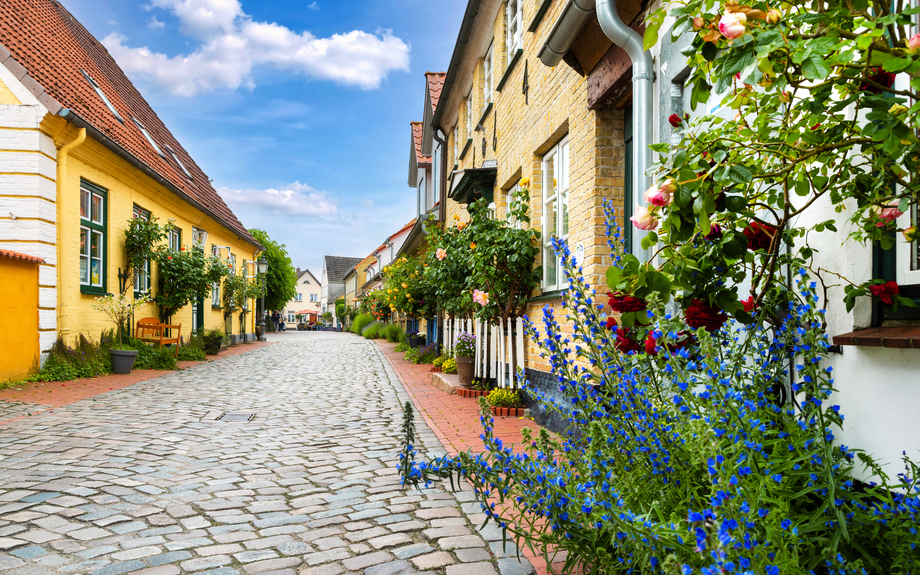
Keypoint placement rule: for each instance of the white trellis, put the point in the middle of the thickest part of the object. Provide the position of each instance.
(493, 346)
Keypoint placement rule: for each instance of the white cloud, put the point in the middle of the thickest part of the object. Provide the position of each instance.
(232, 46)
(313, 6)
(293, 200)
(155, 24)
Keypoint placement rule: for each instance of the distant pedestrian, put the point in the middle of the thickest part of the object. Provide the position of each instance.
(276, 319)
(283, 328)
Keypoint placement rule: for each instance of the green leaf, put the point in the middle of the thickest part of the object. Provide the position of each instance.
(896, 64)
(658, 282)
(736, 61)
(650, 38)
(815, 68)
(709, 51)
(740, 174)
(744, 317)
(683, 197)
(735, 203)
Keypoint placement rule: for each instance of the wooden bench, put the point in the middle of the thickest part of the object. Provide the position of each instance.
(150, 330)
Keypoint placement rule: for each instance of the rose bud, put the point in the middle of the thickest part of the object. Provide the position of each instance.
(774, 16)
(643, 220)
(732, 25)
(897, 109)
(698, 24)
(675, 120)
(656, 197)
(785, 97)
(910, 234)
(887, 214)
(914, 43)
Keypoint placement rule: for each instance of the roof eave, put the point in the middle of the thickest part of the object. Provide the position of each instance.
(463, 38)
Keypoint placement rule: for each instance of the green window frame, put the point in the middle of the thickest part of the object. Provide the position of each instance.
(141, 276)
(93, 258)
(174, 237)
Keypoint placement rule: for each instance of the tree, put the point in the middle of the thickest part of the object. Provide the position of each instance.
(141, 239)
(185, 276)
(281, 280)
(448, 269)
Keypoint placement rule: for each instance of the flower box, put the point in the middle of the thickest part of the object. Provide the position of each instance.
(467, 392)
(508, 411)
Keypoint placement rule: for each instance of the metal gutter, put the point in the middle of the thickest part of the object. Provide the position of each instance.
(73, 118)
(642, 99)
(570, 23)
(463, 38)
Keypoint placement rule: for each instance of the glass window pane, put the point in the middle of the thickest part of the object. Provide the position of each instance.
(84, 204)
(95, 272)
(565, 215)
(550, 230)
(96, 247)
(97, 208)
(84, 241)
(549, 266)
(84, 269)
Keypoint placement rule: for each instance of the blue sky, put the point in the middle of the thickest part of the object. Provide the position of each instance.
(298, 110)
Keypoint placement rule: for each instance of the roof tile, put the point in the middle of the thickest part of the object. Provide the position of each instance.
(19, 256)
(435, 85)
(417, 138)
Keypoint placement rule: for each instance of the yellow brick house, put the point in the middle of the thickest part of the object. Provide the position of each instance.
(82, 153)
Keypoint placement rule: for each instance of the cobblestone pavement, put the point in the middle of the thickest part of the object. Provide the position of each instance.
(278, 461)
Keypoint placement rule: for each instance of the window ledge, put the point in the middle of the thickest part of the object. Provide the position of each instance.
(538, 17)
(89, 290)
(896, 337)
(485, 114)
(216, 306)
(466, 148)
(509, 69)
(546, 296)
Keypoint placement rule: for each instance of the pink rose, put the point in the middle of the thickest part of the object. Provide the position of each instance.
(910, 234)
(914, 43)
(481, 297)
(698, 23)
(441, 254)
(643, 219)
(887, 214)
(658, 196)
(732, 25)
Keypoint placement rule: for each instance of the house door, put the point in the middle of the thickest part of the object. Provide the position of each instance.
(432, 330)
(198, 314)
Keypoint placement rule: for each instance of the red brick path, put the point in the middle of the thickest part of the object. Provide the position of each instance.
(60, 393)
(455, 420)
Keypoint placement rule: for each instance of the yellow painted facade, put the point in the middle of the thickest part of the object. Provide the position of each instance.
(355, 279)
(126, 187)
(7, 97)
(18, 318)
(525, 127)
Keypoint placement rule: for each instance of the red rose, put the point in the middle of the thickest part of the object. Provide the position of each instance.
(624, 303)
(715, 234)
(611, 323)
(675, 120)
(624, 343)
(701, 314)
(885, 291)
(650, 344)
(878, 76)
(748, 304)
(759, 236)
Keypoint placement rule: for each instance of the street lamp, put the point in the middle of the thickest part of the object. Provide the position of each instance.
(263, 269)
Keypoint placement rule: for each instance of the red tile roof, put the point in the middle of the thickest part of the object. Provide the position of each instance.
(19, 256)
(53, 47)
(417, 138)
(401, 230)
(435, 85)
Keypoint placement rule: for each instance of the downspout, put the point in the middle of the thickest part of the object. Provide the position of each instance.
(442, 215)
(642, 97)
(62, 278)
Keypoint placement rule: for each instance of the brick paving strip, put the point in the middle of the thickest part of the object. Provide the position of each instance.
(274, 462)
(455, 421)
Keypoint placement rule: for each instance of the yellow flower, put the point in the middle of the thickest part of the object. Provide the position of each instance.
(525, 182)
(456, 217)
(473, 246)
(405, 286)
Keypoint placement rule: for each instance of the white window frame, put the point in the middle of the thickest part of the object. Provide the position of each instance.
(215, 287)
(456, 144)
(314, 298)
(141, 276)
(435, 173)
(422, 193)
(487, 65)
(147, 136)
(469, 115)
(178, 161)
(200, 238)
(102, 96)
(555, 195)
(514, 16)
(174, 238)
(509, 197)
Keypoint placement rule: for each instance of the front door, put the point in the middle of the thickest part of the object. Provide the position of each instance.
(198, 314)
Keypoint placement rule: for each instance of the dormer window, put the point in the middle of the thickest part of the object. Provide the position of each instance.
(147, 135)
(102, 97)
(176, 158)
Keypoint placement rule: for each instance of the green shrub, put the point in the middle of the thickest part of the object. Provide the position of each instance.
(427, 354)
(504, 398)
(85, 359)
(361, 322)
(402, 346)
(392, 332)
(372, 331)
(189, 353)
(449, 365)
(153, 357)
(412, 355)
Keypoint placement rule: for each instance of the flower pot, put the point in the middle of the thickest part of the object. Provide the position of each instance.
(471, 393)
(508, 411)
(465, 369)
(123, 359)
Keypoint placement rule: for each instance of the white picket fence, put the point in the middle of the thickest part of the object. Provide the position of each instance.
(493, 346)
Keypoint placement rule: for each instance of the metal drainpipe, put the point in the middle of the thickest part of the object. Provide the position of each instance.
(642, 98)
(442, 215)
(62, 278)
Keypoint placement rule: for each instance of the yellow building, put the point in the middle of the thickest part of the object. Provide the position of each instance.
(355, 279)
(82, 153)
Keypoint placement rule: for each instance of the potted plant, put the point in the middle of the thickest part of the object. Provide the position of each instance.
(506, 402)
(120, 308)
(464, 352)
(213, 338)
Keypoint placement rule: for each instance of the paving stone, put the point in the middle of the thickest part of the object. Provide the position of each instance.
(9, 543)
(38, 536)
(30, 552)
(250, 556)
(220, 571)
(389, 540)
(406, 526)
(483, 568)
(511, 566)
(205, 563)
(89, 533)
(8, 562)
(52, 561)
(97, 551)
(268, 542)
(128, 527)
(448, 543)
(433, 560)
(161, 570)
(411, 550)
(365, 561)
(295, 548)
(331, 569)
(219, 550)
(271, 565)
(170, 557)
(326, 556)
(391, 568)
(437, 513)
(472, 554)
(119, 568)
(136, 553)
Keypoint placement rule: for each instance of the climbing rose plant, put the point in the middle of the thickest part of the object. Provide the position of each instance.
(821, 112)
(682, 456)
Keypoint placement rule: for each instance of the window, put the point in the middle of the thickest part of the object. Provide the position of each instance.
(421, 195)
(181, 165)
(142, 274)
(93, 211)
(299, 297)
(509, 197)
(102, 97)
(487, 79)
(555, 211)
(147, 135)
(515, 28)
(174, 237)
(435, 173)
(200, 238)
(456, 150)
(215, 287)
(469, 115)
(314, 297)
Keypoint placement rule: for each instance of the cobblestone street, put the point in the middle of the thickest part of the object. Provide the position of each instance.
(276, 461)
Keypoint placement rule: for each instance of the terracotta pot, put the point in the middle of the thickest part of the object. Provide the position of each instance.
(508, 411)
(473, 393)
(465, 369)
